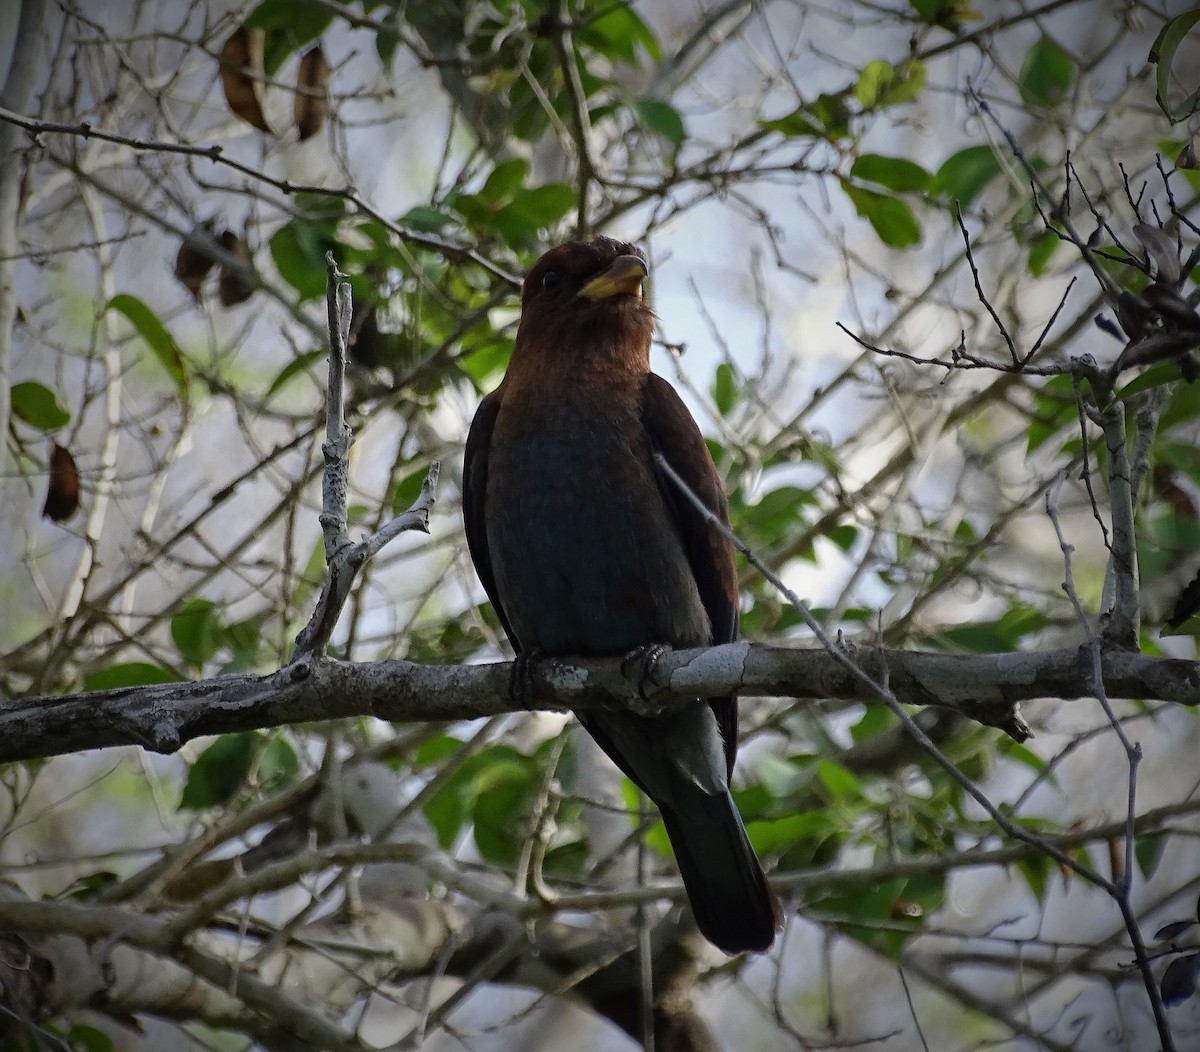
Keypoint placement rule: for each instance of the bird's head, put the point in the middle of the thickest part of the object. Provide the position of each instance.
(586, 298)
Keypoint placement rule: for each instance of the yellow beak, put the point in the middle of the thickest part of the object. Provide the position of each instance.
(623, 277)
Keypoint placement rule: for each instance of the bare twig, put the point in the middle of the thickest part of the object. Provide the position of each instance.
(10, 117)
(983, 297)
(343, 556)
(880, 687)
(1119, 888)
(581, 125)
(16, 92)
(1039, 187)
(1121, 614)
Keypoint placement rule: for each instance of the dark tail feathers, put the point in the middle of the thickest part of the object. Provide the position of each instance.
(734, 905)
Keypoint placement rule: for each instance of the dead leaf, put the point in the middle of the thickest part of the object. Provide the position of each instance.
(312, 93)
(62, 491)
(242, 75)
(1187, 156)
(233, 288)
(192, 263)
(1116, 859)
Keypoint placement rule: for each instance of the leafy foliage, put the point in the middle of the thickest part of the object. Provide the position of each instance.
(909, 481)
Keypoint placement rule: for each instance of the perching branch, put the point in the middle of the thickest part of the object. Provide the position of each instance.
(162, 717)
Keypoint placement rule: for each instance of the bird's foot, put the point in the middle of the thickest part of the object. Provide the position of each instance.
(647, 656)
(520, 679)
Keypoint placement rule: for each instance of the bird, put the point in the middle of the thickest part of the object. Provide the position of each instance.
(584, 548)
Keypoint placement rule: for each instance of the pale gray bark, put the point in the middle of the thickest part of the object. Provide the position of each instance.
(984, 687)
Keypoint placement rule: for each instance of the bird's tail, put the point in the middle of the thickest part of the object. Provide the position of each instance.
(734, 905)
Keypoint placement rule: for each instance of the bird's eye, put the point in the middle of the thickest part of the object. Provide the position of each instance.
(552, 280)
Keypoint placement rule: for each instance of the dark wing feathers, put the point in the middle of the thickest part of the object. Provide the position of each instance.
(674, 434)
(474, 490)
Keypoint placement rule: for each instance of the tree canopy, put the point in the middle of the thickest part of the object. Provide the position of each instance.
(924, 272)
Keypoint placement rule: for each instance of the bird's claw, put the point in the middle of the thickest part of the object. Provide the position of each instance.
(648, 657)
(520, 679)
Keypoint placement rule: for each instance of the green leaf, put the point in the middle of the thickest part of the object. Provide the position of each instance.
(220, 771)
(502, 802)
(278, 764)
(770, 836)
(1162, 54)
(1023, 754)
(841, 783)
(1036, 870)
(783, 778)
(84, 1038)
(796, 124)
(289, 25)
(1147, 850)
(1055, 404)
(299, 365)
(617, 31)
(1040, 252)
(896, 173)
(312, 575)
(436, 749)
(298, 249)
(196, 631)
(489, 360)
(244, 640)
(503, 181)
(662, 118)
(1183, 407)
(426, 219)
(724, 390)
(891, 218)
(87, 887)
(408, 489)
(963, 175)
(161, 342)
(948, 14)
(874, 721)
(449, 807)
(826, 117)
(38, 406)
(129, 674)
(543, 205)
(567, 857)
(843, 535)
(881, 84)
(773, 517)
(871, 81)
(876, 915)
(1046, 74)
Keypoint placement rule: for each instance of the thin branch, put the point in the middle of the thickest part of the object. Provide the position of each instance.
(983, 298)
(1121, 885)
(581, 125)
(16, 93)
(1039, 187)
(343, 556)
(880, 686)
(1122, 615)
(216, 154)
